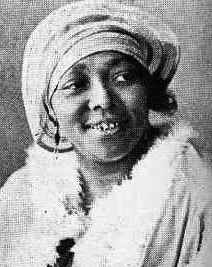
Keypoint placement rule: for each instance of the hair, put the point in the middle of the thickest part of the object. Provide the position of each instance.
(160, 98)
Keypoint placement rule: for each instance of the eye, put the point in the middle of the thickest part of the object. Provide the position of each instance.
(74, 87)
(125, 78)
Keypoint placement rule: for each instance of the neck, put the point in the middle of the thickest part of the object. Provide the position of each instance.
(101, 176)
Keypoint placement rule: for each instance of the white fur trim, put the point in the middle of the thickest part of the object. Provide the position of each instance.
(123, 219)
(123, 222)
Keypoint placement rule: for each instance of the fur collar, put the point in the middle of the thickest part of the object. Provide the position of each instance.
(103, 238)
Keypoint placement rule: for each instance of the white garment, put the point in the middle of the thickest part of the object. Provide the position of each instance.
(162, 217)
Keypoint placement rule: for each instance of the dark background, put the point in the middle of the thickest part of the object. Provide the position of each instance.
(191, 20)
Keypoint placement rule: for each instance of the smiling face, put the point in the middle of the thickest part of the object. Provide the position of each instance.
(101, 105)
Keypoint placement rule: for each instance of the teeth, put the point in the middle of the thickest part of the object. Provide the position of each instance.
(103, 126)
(112, 125)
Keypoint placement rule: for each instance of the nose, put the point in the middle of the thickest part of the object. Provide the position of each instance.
(99, 97)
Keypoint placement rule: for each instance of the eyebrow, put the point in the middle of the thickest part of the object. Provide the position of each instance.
(78, 67)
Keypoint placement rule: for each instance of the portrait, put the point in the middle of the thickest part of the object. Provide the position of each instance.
(106, 134)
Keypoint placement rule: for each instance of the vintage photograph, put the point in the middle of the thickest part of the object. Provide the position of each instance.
(106, 133)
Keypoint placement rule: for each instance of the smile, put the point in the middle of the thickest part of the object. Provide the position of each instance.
(105, 127)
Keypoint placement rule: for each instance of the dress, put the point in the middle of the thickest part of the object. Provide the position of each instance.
(160, 217)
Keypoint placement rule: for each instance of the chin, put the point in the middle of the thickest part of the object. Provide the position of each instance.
(108, 155)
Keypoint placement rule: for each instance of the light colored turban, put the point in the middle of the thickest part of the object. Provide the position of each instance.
(81, 28)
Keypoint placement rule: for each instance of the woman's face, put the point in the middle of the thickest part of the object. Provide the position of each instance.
(101, 105)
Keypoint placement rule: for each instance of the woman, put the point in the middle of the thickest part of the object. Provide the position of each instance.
(101, 185)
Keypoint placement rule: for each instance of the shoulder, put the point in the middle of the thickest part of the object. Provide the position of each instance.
(190, 164)
(178, 162)
(193, 174)
(166, 171)
(15, 211)
(15, 188)
(15, 199)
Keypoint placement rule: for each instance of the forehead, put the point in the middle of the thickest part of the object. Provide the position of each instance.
(103, 60)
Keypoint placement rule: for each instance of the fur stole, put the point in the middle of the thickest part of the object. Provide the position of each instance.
(122, 219)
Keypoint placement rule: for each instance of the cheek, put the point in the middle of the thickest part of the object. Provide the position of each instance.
(136, 101)
(65, 105)
(68, 112)
(69, 127)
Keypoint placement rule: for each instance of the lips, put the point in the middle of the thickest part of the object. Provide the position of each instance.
(104, 126)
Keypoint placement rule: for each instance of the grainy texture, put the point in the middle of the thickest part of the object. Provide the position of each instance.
(189, 19)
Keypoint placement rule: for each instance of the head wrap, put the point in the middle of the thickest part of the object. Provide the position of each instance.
(82, 28)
